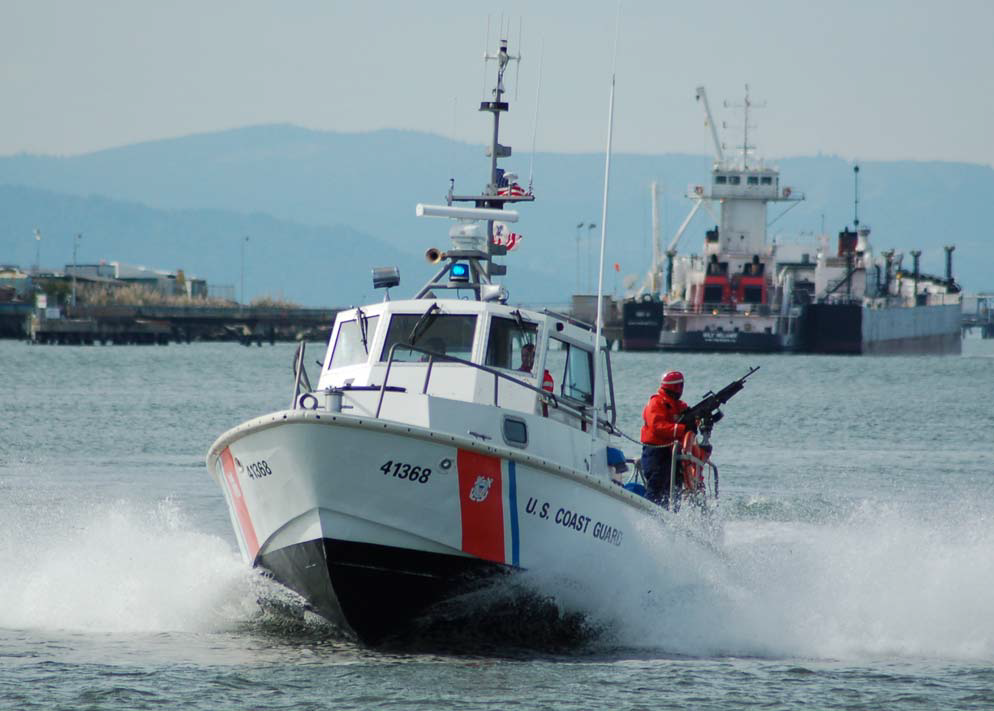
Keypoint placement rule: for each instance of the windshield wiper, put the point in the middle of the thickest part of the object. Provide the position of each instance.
(424, 323)
(525, 335)
(363, 328)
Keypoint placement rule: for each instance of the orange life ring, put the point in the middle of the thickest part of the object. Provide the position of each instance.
(692, 476)
(786, 192)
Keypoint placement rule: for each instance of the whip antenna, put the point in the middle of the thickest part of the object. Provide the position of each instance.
(486, 48)
(600, 276)
(538, 95)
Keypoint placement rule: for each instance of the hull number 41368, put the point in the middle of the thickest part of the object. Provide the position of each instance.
(402, 470)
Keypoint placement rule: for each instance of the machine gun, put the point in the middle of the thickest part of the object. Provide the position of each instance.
(708, 411)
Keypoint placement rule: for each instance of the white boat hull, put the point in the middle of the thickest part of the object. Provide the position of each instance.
(373, 522)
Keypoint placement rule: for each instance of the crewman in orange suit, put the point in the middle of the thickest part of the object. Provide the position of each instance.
(660, 430)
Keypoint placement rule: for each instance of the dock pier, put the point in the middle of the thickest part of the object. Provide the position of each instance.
(978, 312)
(161, 325)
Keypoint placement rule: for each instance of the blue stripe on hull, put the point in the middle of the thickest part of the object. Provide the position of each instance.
(512, 502)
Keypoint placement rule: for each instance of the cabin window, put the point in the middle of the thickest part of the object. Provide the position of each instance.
(515, 432)
(753, 180)
(713, 294)
(720, 179)
(511, 344)
(607, 382)
(766, 180)
(752, 294)
(577, 380)
(353, 342)
(734, 179)
(446, 334)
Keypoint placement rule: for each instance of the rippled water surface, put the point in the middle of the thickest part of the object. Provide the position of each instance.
(857, 569)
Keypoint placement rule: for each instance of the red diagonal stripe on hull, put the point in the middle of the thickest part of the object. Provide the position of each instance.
(238, 502)
(482, 521)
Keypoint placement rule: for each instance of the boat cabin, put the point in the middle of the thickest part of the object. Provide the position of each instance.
(538, 363)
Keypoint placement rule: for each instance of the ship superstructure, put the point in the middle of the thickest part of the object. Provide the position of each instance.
(731, 295)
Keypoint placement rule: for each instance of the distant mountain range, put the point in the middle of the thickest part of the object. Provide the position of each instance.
(322, 208)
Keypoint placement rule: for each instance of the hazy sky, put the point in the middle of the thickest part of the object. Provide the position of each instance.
(869, 79)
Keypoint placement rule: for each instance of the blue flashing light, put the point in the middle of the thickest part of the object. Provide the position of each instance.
(459, 272)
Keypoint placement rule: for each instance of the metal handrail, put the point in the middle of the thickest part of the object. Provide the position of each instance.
(299, 373)
(432, 355)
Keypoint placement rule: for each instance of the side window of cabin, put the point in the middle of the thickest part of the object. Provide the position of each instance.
(607, 383)
(446, 334)
(511, 345)
(353, 342)
(577, 379)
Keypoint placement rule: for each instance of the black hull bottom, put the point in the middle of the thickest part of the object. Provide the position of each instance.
(641, 323)
(839, 329)
(373, 591)
(640, 344)
(722, 342)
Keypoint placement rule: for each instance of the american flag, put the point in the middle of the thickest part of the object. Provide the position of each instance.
(504, 237)
(512, 190)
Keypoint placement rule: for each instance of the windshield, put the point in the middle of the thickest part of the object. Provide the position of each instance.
(446, 334)
(350, 346)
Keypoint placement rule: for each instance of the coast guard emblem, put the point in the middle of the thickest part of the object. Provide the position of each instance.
(480, 489)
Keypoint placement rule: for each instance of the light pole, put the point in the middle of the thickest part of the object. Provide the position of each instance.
(75, 246)
(244, 241)
(590, 258)
(578, 228)
(37, 251)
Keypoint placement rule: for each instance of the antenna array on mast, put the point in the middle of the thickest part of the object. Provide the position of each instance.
(469, 264)
(746, 105)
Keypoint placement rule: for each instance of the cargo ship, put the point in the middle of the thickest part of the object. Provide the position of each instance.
(875, 306)
(732, 296)
(745, 294)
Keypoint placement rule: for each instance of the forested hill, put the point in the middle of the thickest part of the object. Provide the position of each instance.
(336, 201)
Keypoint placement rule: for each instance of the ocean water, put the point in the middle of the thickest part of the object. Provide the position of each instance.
(856, 571)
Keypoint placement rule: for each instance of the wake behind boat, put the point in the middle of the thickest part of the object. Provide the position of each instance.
(447, 440)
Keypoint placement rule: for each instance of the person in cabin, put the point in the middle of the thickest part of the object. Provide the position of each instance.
(527, 358)
(660, 429)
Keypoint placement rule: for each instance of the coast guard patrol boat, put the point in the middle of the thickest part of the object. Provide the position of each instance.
(447, 439)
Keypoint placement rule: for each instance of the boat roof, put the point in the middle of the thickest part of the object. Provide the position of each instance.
(558, 325)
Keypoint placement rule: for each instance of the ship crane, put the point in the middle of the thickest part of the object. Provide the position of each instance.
(651, 282)
(702, 96)
(699, 199)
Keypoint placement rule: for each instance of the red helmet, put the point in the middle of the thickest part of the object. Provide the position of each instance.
(673, 382)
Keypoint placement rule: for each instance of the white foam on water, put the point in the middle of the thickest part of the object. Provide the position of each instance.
(880, 581)
(119, 567)
(884, 581)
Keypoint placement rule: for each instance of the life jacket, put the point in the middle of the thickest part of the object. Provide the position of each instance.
(659, 419)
